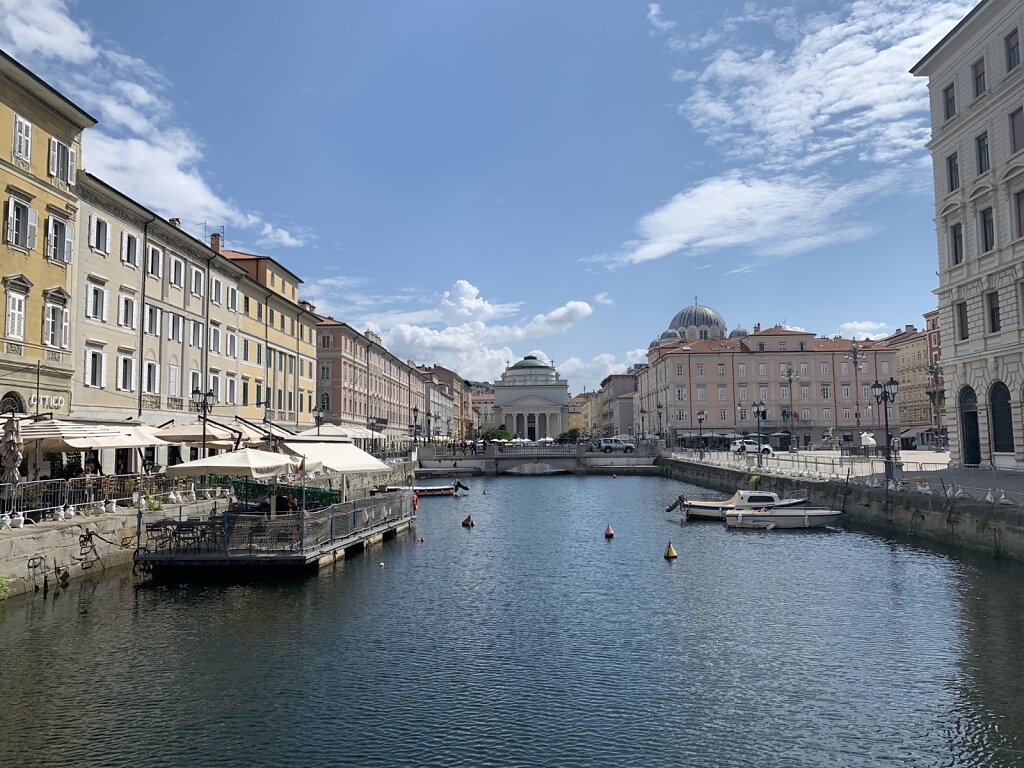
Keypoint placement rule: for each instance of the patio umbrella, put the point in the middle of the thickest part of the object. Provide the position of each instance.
(331, 430)
(10, 456)
(245, 462)
(336, 456)
(58, 435)
(251, 434)
(193, 433)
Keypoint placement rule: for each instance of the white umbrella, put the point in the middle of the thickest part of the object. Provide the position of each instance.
(246, 462)
(57, 435)
(337, 456)
(546, 440)
(331, 430)
(193, 433)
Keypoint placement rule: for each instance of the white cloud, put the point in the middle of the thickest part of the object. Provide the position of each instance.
(462, 302)
(604, 298)
(588, 374)
(654, 16)
(863, 329)
(136, 147)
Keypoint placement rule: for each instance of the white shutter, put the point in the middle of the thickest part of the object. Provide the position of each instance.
(106, 300)
(158, 313)
(131, 369)
(10, 220)
(90, 305)
(119, 374)
(106, 238)
(69, 242)
(201, 335)
(65, 330)
(73, 167)
(170, 326)
(51, 239)
(191, 333)
(135, 314)
(156, 378)
(124, 245)
(88, 368)
(103, 370)
(120, 309)
(53, 157)
(33, 228)
(172, 381)
(92, 231)
(48, 329)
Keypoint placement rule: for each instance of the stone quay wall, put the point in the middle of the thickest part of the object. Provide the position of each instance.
(989, 528)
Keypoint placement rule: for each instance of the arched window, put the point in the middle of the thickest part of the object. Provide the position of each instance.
(1001, 417)
(325, 401)
(12, 401)
(970, 441)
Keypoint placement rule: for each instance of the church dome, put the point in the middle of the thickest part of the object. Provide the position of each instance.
(697, 315)
(738, 332)
(530, 361)
(670, 335)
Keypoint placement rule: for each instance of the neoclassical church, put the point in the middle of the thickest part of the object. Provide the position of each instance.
(532, 400)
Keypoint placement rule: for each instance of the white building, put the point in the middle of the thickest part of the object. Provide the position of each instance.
(531, 400)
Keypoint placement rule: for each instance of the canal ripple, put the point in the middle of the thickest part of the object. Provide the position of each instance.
(530, 640)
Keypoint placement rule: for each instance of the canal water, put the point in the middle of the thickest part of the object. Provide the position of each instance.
(530, 640)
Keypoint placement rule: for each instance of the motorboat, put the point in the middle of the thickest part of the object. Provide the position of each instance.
(432, 490)
(695, 509)
(781, 517)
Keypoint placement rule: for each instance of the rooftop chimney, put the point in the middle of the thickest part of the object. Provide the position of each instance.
(175, 222)
(757, 327)
(909, 328)
(216, 241)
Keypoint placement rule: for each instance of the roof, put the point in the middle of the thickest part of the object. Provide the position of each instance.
(243, 256)
(47, 92)
(778, 330)
(915, 70)
(530, 361)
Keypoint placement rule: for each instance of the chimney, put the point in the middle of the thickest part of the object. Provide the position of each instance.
(757, 327)
(216, 241)
(175, 222)
(909, 328)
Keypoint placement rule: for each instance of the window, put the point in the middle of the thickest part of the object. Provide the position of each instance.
(233, 299)
(953, 172)
(992, 309)
(956, 244)
(245, 350)
(151, 377)
(22, 224)
(15, 315)
(245, 305)
(962, 329)
(215, 290)
(784, 392)
(96, 302)
(824, 369)
(1018, 209)
(1012, 50)
(215, 386)
(60, 240)
(981, 149)
(195, 334)
(259, 311)
(173, 372)
(1017, 130)
(55, 328)
(721, 369)
(270, 316)
(846, 391)
(978, 70)
(259, 354)
(125, 373)
(99, 234)
(782, 346)
(721, 414)
(232, 345)
(245, 391)
(700, 369)
(152, 320)
(62, 161)
(174, 326)
(127, 312)
(722, 392)
(762, 369)
(949, 100)
(197, 282)
(885, 367)
(95, 368)
(177, 272)
(743, 393)
(846, 414)
(129, 249)
(194, 380)
(805, 392)
(844, 368)
(680, 393)
(761, 346)
(700, 393)
(763, 392)
(215, 339)
(826, 414)
(155, 262)
(742, 369)
(232, 390)
(987, 234)
(22, 138)
(743, 414)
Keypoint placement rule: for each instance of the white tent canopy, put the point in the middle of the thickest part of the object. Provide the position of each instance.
(330, 430)
(57, 435)
(246, 462)
(337, 456)
(193, 433)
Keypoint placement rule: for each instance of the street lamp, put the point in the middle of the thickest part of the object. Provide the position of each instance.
(415, 424)
(789, 376)
(661, 427)
(700, 432)
(855, 355)
(884, 395)
(935, 372)
(318, 414)
(430, 436)
(449, 429)
(204, 404)
(643, 429)
(759, 405)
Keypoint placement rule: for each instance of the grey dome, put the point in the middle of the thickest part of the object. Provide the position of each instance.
(653, 344)
(738, 332)
(697, 315)
(670, 335)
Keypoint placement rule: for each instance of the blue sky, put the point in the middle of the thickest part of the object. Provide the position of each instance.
(478, 181)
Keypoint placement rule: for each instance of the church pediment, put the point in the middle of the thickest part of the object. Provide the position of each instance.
(531, 402)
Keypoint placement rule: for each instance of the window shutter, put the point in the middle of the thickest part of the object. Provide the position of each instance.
(48, 329)
(120, 310)
(10, 220)
(158, 313)
(119, 374)
(124, 246)
(69, 242)
(106, 300)
(135, 314)
(72, 165)
(131, 368)
(53, 157)
(106, 239)
(88, 368)
(90, 304)
(92, 231)
(103, 370)
(156, 378)
(191, 332)
(33, 227)
(65, 330)
(51, 239)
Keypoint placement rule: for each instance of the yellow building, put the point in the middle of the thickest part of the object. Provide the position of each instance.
(40, 137)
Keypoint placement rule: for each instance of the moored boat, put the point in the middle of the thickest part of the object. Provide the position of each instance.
(433, 490)
(781, 517)
(695, 509)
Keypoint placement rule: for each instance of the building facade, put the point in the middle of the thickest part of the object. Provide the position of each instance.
(616, 395)
(532, 400)
(976, 86)
(912, 402)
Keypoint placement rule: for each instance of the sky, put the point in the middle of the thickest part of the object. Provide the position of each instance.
(478, 181)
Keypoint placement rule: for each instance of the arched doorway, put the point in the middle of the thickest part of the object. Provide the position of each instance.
(970, 440)
(12, 401)
(1001, 417)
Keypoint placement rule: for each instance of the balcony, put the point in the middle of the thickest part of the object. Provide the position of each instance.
(151, 401)
(175, 404)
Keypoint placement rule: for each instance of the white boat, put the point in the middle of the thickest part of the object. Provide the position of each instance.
(781, 517)
(433, 490)
(695, 509)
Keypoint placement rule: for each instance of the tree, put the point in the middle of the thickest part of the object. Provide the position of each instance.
(496, 433)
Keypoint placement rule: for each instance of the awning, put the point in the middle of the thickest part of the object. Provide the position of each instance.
(913, 431)
(247, 462)
(337, 456)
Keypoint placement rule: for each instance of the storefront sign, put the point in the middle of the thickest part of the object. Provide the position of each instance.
(47, 401)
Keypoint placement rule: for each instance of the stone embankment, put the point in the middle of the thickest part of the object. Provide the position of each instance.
(976, 525)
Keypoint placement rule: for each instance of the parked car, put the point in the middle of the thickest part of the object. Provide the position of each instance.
(609, 444)
(751, 446)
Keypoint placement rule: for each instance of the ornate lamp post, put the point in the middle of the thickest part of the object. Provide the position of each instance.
(855, 355)
(661, 427)
(700, 432)
(884, 395)
(643, 429)
(935, 372)
(759, 405)
(318, 415)
(415, 424)
(430, 436)
(203, 402)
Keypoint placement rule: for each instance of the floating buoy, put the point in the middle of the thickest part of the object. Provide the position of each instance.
(382, 565)
(468, 522)
(608, 532)
(670, 552)
(614, 476)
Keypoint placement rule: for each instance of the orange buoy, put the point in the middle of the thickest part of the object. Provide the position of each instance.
(608, 532)
(670, 552)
